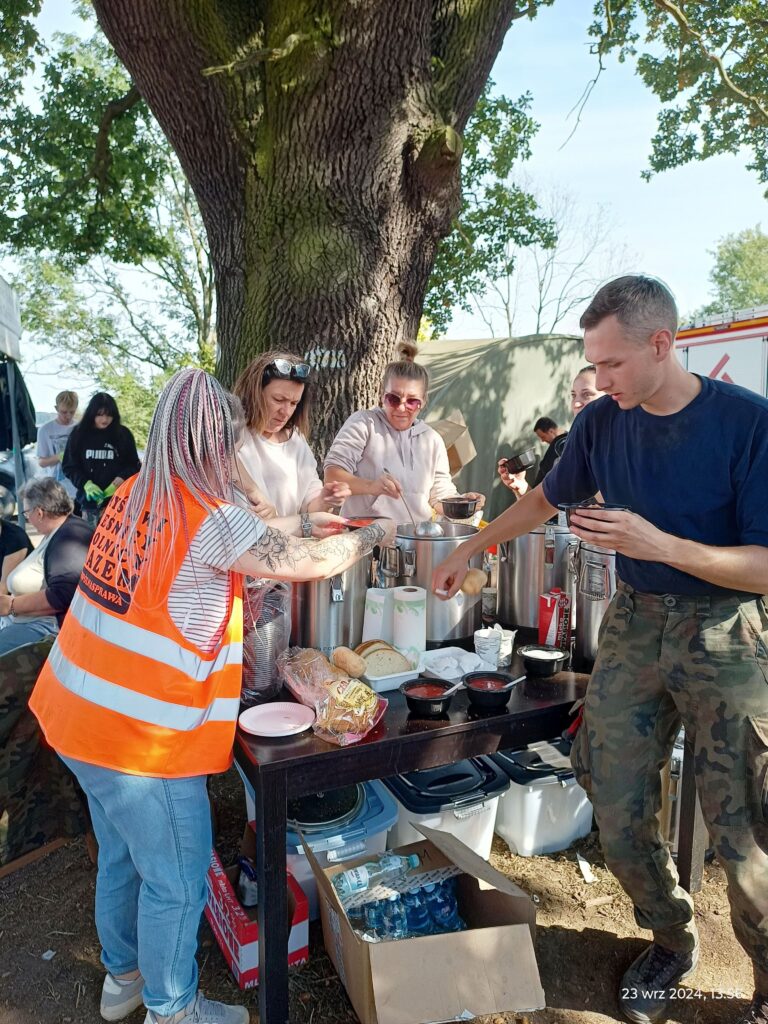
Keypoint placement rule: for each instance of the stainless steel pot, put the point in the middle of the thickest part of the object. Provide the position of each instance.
(458, 618)
(531, 565)
(595, 569)
(329, 613)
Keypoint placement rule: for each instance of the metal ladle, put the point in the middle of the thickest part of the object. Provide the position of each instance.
(429, 528)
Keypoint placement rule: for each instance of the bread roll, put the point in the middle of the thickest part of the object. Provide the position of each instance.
(474, 582)
(348, 662)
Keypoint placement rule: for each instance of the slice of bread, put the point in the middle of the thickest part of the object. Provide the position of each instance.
(386, 662)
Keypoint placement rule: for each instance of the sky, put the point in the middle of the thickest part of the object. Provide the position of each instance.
(668, 227)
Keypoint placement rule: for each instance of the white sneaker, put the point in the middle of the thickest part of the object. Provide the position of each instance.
(207, 1011)
(119, 998)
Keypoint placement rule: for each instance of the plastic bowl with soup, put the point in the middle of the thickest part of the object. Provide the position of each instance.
(542, 659)
(488, 690)
(426, 696)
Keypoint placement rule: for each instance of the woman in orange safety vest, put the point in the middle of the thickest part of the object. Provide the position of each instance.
(140, 693)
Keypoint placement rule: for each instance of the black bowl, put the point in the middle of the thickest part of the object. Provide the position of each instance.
(542, 666)
(487, 700)
(459, 508)
(521, 462)
(607, 506)
(428, 707)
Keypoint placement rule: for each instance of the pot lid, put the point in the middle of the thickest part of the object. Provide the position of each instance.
(428, 790)
(319, 811)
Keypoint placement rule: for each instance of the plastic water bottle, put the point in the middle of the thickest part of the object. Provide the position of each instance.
(247, 888)
(395, 921)
(358, 879)
(442, 906)
(416, 912)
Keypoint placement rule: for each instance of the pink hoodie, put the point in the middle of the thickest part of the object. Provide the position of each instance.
(416, 457)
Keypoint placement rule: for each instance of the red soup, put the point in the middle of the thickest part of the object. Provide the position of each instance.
(487, 683)
(428, 691)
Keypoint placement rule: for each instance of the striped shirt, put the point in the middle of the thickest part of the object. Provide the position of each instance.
(199, 596)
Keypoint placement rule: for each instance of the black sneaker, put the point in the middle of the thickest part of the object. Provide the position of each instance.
(645, 986)
(757, 1012)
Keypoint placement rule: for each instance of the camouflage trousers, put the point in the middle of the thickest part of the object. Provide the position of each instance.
(703, 662)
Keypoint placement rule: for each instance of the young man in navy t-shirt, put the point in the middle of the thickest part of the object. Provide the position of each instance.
(685, 639)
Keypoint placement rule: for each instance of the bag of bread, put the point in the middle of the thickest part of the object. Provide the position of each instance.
(346, 710)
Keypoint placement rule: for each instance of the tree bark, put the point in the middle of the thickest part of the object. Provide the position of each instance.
(323, 142)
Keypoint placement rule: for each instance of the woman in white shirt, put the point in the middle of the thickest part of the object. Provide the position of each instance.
(275, 392)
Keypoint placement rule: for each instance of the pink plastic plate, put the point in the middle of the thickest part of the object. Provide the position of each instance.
(281, 718)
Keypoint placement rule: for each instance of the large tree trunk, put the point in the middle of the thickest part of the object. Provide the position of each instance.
(324, 154)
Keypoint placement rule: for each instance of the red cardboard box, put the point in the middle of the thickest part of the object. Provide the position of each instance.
(236, 928)
(555, 619)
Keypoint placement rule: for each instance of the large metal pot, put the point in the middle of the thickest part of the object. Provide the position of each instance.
(595, 569)
(531, 565)
(329, 613)
(458, 618)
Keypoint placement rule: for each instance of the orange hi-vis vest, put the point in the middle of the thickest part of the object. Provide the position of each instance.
(122, 687)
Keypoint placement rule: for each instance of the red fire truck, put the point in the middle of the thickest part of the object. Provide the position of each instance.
(731, 347)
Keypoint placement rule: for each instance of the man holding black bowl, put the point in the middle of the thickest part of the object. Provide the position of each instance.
(685, 639)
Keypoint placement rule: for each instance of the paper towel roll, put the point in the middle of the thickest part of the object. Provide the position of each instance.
(379, 612)
(410, 622)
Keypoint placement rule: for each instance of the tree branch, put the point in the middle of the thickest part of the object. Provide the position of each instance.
(102, 157)
(690, 34)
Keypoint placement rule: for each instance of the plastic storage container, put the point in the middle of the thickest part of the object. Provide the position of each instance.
(545, 809)
(461, 799)
(359, 829)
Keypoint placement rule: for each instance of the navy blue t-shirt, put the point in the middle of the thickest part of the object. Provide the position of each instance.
(700, 474)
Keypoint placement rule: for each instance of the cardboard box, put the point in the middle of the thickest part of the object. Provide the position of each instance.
(455, 432)
(237, 930)
(489, 968)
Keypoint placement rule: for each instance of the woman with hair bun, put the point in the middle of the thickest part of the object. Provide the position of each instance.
(387, 453)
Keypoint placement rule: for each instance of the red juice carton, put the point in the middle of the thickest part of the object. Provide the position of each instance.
(555, 619)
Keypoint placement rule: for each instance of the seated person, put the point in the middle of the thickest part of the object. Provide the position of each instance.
(15, 545)
(42, 586)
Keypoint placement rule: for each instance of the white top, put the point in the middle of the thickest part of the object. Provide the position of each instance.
(199, 596)
(28, 578)
(368, 444)
(52, 439)
(284, 471)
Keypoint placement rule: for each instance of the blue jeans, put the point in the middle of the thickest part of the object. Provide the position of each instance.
(16, 634)
(154, 851)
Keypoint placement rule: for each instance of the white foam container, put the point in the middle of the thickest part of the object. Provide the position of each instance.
(383, 683)
(543, 817)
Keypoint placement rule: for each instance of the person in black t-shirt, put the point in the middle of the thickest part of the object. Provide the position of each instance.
(685, 638)
(15, 545)
(100, 455)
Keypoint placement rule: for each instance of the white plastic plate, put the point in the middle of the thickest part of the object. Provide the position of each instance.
(280, 718)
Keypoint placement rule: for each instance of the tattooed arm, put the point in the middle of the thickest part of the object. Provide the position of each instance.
(282, 557)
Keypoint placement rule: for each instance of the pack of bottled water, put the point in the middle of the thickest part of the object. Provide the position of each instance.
(384, 903)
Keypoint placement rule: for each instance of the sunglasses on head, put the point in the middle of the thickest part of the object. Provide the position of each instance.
(287, 370)
(395, 401)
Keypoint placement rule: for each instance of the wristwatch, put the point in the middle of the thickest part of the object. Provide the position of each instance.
(306, 525)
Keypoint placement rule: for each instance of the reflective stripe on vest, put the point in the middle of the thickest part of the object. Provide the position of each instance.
(136, 640)
(137, 705)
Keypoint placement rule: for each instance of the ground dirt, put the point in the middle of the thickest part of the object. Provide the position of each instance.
(586, 937)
